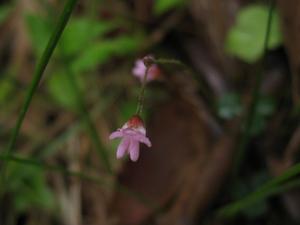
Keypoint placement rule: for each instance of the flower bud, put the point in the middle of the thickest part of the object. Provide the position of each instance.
(148, 61)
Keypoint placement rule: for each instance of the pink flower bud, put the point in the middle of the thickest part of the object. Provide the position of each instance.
(139, 69)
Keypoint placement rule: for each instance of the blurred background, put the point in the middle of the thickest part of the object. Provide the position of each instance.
(222, 115)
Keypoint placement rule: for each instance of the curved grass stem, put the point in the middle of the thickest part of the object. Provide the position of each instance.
(40, 68)
(284, 182)
(141, 97)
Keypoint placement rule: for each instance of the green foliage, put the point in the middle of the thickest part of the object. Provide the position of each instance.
(37, 76)
(82, 32)
(28, 187)
(246, 38)
(100, 52)
(162, 6)
(39, 30)
(229, 106)
(61, 90)
(85, 44)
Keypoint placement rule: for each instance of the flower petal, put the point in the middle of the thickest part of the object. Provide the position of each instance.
(134, 150)
(141, 138)
(123, 146)
(139, 69)
(138, 72)
(146, 141)
(116, 134)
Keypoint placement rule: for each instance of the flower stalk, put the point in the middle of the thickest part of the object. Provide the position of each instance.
(133, 132)
(141, 97)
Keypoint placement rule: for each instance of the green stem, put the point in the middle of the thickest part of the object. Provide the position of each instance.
(40, 68)
(171, 61)
(259, 195)
(274, 186)
(141, 97)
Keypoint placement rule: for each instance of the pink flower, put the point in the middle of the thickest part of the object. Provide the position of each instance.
(139, 70)
(133, 132)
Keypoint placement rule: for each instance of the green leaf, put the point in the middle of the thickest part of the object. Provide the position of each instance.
(81, 32)
(162, 6)
(100, 52)
(28, 187)
(61, 90)
(246, 38)
(39, 30)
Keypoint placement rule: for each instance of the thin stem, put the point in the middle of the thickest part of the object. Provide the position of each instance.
(274, 186)
(141, 97)
(288, 174)
(40, 68)
(254, 197)
(255, 98)
(171, 61)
